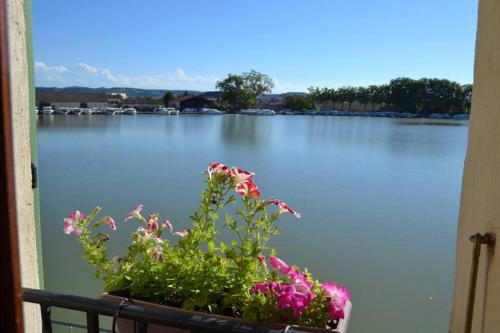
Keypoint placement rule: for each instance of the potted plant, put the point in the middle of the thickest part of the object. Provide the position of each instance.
(195, 270)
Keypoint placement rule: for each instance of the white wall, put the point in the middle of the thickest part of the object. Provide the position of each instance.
(22, 158)
(480, 202)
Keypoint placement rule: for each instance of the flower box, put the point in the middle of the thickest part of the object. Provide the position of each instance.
(127, 326)
(197, 269)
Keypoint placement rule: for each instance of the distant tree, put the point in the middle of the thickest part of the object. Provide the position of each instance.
(407, 95)
(341, 95)
(380, 95)
(346, 94)
(186, 93)
(363, 96)
(169, 96)
(467, 95)
(300, 103)
(316, 93)
(421, 96)
(442, 96)
(240, 91)
(321, 95)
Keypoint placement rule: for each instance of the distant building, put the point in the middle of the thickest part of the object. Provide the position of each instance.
(122, 95)
(142, 103)
(71, 100)
(211, 95)
(116, 99)
(200, 101)
(182, 102)
(176, 103)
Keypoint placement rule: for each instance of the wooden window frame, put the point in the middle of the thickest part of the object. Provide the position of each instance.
(11, 300)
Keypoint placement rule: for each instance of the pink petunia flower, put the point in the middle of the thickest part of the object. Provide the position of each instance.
(248, 188)
(157, 252)
(110, 222)
(71, 223)
(290, 296)
(279, 264)
(168, 225)
(153, 222)
(135, 213)
(338, 297)
(283, 207)
(298, 278)
(181, 233)
(265, 287)
(145, 235)
(262, 259)
(76, 215)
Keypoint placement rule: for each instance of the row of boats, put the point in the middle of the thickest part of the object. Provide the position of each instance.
(47, 110)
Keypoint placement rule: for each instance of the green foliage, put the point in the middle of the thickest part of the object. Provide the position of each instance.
(300, 103)
(169, 96)
(240, 91)
(203, 272)
(200, 271)
(422, 96)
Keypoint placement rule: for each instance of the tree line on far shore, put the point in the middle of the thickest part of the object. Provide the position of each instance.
(423, 96)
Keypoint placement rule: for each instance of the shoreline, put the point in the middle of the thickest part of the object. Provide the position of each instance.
(362, 114)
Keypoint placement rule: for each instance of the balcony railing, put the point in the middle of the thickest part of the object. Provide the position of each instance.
(141, 316)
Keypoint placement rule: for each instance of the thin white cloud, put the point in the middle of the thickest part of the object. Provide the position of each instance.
(83, 74)
(41, 66)
(86, 67)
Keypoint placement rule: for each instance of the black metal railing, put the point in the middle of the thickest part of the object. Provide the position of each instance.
(140, 316)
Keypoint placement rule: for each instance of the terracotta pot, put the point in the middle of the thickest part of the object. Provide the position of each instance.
(127, 326)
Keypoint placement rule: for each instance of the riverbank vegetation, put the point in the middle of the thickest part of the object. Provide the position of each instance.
(239, 92)
(421, 97)
(300, 103)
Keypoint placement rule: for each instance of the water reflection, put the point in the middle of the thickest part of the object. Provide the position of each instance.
(250, 130)
(379, 199)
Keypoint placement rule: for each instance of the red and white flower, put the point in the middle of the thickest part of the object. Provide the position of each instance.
(144, 235)
(219, 168)
(283, 207)
(166, 224)
(157, 252)
(110, 222)
(181, 233)
(135, 213)
(248, 188)
(153, 222)
(239, 176)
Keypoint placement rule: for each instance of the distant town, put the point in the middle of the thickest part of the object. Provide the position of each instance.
(250, 93)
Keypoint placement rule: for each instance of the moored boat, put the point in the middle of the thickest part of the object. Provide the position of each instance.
(130, 111)
(47, 110)
(63, 111)
(259, 112)
(167, 111)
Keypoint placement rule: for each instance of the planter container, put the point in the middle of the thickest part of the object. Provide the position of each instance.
(127, 326)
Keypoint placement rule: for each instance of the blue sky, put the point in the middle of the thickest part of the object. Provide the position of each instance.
(191, 44)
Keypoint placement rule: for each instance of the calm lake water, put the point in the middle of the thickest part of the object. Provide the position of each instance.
(379, 197)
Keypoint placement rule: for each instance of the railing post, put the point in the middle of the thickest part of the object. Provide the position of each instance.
(46, 321)
(92, 322)
(478, 240)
